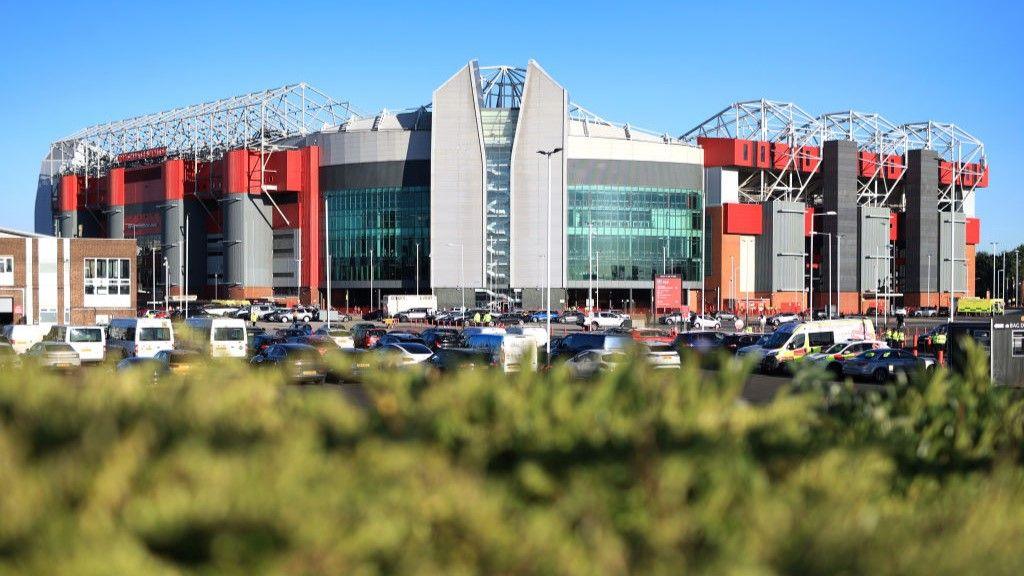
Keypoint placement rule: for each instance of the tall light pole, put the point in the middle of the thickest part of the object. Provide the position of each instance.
(994, 244)
(371, 280)
(839, 274)
(462, 273)
(327, 254)
(167, 280)
(590, 267)
(810, 280)
(417, 268)
(547, 262)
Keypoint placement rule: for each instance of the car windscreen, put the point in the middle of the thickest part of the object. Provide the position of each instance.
(154, 334)
(777, 339)
(229, 334)
(85, 335)
(413, 348)
(836, 348)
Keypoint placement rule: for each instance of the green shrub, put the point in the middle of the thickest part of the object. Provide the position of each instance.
(230, 471)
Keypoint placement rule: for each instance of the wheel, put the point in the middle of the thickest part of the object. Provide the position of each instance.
(880, 376)
(305, 319)
(595, 326)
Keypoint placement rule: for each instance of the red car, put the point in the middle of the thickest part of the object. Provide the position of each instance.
(652, 336)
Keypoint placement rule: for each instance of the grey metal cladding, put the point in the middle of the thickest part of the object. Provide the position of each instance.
(115, 222)
(173, 221)
(780, 248)
(543, 118)
(361, 146)
(942, 220)
(634, 173)
(67, 223)
(874, 248)
(839, 194)
(375, 175)
(248, 241)
(921, 186)
(456, 181)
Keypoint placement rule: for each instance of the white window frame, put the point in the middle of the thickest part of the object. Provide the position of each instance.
(6, 270)
(95, 285)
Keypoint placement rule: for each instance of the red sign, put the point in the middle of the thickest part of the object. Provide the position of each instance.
(142, 154)
(668, 292)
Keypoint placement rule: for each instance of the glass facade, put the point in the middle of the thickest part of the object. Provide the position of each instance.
(389, 221)
(637, 231)
(499, 128)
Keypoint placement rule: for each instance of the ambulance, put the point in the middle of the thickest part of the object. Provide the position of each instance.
(792, 342)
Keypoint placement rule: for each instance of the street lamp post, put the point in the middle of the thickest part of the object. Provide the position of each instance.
(994, 244)
(547, 262)
(417, 268)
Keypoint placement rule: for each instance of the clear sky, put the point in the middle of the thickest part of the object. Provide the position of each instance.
(662, 66)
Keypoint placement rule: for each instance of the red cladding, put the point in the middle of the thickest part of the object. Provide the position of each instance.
(742, 219)
(808, 221)
(762, 154)
(727, 152)
(973, 231)
(242, 172)
(781, 156)
(115, 187)
(69, 187)
(971, 174)
(809, 159)
(867, 164)
(983, 181)
(894, 227)
(894, 167)
(284, 170)
(945, 172)
(309, 218)
(174, 179)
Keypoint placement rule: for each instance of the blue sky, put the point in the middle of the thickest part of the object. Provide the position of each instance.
(662, 66)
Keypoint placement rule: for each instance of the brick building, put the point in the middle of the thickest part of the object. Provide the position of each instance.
(48, 280)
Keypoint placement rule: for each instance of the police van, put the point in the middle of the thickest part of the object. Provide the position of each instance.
(793, 341)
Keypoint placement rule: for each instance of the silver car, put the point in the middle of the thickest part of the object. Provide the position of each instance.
(56, 355)
(885, 364)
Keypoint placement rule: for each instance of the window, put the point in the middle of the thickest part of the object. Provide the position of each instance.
(108, 276)
(1017, 343)
(6, 270)
(154, 334)
(821, 339)
(86, 335)
(228, 334)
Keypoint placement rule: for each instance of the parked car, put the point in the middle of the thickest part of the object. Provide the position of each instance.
(300, 363)
(452, 359)
(672, 319)
(219, 310)
(572, 317)
(260, 342)
(298, 314)
(577, 342)
(652, 336)
(398, 337)
(701, 342)
(343, 338)
(368, 338)
(836, 355)
(375, 316)
(509, 352)
(405, 353)
(437, 338)
(925, 312)
(608, 319)
(723, 316)
(413, 314)
(590, 363)
(177, 361)
(704, 322)
(783, 318)
(89, 341)
(151, 367)
(733, 342)
(53, 355)
(542, 316)
(263, 312)
(884, 364)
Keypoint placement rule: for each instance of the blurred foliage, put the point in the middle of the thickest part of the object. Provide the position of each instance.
(230, 471)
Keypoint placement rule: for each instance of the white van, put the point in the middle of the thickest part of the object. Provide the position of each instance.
(510, 352)
(221, 337)
(539, 334)
(23, 336)
(140, 337)
(89, 341)
(792, 342)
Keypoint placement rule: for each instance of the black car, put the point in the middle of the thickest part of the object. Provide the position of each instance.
(733, 342)
(301, 363)
(260, 342)
(450, 359)
(399, 337)
(375, 316)
(700, 342)
(572, 317)
(437, 338)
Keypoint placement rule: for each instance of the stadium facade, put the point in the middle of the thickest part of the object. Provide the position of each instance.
(245, 197)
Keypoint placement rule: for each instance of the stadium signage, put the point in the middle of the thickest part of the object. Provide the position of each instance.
(142, 154)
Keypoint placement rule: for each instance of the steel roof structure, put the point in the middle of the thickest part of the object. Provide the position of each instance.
(253, 120)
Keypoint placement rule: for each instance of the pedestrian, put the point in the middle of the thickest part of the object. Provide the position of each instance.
(762, 321)
(487, 318)
(253, 317)
(476, 318)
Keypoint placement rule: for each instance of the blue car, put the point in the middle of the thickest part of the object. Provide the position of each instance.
(542, 316)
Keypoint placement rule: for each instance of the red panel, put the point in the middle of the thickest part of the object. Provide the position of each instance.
(867, 164)
(144, 223)
(69, 188)
(762, 154)
(809, 159)
(143, 185)
(291, 211)
(742, 219)
(174, 179)
(284, 170)
(894, 167)
(309, 220)
(974, 175)
(983, 181)
(727, 152)
(205, 178)
(242, 172)
(781, 156)
(945, 172)
(668, 292)
(894, 227)
(808, 221)
(115, 187)
(973, 231)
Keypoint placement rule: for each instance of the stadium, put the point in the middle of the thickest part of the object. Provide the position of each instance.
(270, 194)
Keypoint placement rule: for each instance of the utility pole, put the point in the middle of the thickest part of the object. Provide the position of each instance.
(417, 268)
(167, 281)
(185, 279)
(590, 266)
(547, 261)
(993, 292)
(152, 276)
(327, 253)
(371, 280)
(597, 283)
(839, 274)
